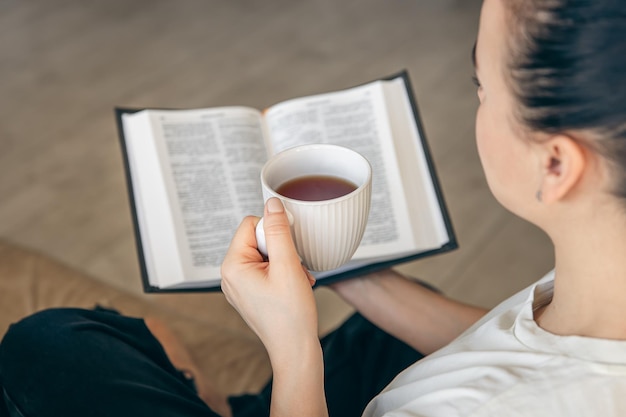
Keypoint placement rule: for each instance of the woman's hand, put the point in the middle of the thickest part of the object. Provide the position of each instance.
(273, 296)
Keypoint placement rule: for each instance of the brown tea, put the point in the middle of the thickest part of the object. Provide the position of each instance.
(316, 188)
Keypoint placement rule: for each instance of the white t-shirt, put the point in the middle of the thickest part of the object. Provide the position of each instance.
(506, 365)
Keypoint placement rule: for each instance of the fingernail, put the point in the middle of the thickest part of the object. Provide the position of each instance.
(274, 205)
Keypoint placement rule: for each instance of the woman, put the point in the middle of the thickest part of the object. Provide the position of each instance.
(551, 133)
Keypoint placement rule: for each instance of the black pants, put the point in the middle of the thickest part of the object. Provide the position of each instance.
(74, 362)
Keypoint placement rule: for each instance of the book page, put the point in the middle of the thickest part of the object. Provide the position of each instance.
(429, 226)
(150, 201)
(354, 118)
(210, 162)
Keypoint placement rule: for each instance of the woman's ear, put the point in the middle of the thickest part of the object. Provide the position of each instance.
(563, 161)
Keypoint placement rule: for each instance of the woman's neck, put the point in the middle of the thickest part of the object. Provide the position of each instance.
(590, 281)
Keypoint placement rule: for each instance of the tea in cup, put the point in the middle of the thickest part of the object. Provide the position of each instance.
(326, 191)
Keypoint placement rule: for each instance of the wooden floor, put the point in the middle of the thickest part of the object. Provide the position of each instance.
(64, 65)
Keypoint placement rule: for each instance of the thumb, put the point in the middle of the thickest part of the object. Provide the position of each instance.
(280, 246)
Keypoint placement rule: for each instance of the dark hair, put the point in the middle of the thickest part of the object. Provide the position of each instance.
(567, 69)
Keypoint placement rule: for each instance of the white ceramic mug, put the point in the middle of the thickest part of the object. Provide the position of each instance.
(327, 232)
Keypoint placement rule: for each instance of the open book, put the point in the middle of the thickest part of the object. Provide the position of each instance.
(194, 174)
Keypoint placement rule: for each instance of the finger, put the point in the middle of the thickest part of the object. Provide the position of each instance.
(280, 246)
(243, 242)
(310, 277)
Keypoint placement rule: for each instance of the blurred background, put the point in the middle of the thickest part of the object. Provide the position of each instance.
(65, 64)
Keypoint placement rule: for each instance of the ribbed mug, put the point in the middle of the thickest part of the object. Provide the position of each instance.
(327, 232)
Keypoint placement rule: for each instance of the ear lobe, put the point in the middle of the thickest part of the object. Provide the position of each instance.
(563, 163)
